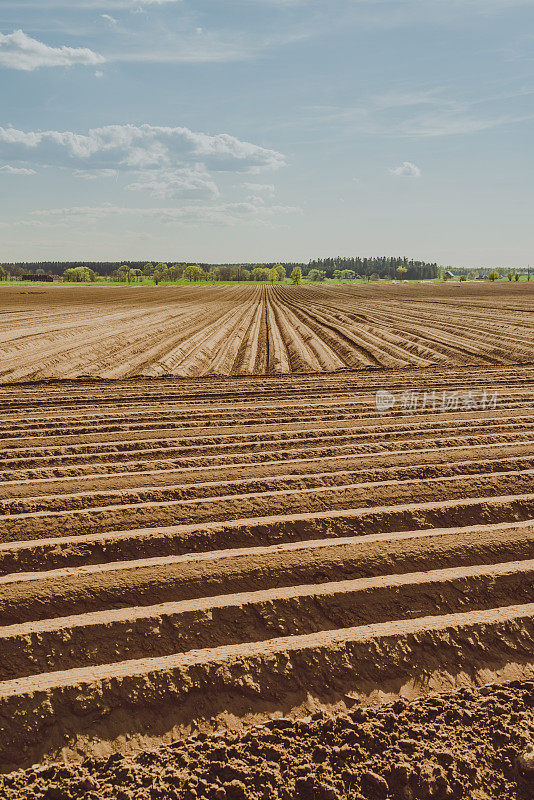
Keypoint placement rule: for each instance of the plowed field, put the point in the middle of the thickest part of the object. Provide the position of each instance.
(115, 332)
(182, 553)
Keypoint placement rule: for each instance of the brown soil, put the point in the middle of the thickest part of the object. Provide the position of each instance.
(115, 332)
(467, 745)
(210, 553)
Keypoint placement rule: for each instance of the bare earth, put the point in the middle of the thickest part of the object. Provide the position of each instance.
(202, 555)
(470, 744)
(115, 332)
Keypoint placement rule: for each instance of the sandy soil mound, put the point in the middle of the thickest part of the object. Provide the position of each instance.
(470, 745)
(195, 554)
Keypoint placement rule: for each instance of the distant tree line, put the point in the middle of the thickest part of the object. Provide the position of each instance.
(106, 268)
(162, 273)
(338, 268)
(494, 273)
(373, 268)
(344, 268)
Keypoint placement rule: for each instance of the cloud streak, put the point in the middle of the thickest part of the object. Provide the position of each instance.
(219, 214)
(87, 5)
(109, 19)
(21, 52)
(7, 168)
(424, 114)
(260, 188)
(188, 181)
(137, 147)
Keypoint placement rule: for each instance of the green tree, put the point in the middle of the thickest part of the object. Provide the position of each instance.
(273, 275)
(79, 275)
(192, 273)
(516, 276)
(120, 274)
(127, 272)
(296, 276)
(348, 274)
(401, 272)
(281, 271)
(316, 275)
(493, 275)
(174, 272)
(161, 273)
(260, 274)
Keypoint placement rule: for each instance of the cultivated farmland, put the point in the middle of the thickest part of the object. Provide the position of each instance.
(182, 553)
(68, 332)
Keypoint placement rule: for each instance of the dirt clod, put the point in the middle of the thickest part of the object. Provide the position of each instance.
(316, 759)
(526, 761)
(374, 786)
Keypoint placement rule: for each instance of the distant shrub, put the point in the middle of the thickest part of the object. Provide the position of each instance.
(193, 273)
(316, 275)
(80, 275)
(260, 274)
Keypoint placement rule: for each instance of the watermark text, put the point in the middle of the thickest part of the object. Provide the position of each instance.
(435, 400)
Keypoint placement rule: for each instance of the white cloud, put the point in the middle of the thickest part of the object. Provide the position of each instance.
(191, 181)
(262, 188)
(145, 38)
(227, 214)
(131, 5)
(255, 200)
(159, 162)
(97, 173)
(137, 147)
(150, 2)
(424, 113)
(406, 170)
(19, 51)
(99, 73)
(188, 45)
(16, 170)
(457, 123)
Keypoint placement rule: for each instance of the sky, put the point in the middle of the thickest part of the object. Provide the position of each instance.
(267, 130)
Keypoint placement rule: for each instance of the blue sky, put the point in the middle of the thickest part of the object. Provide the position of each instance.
(258, 130)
